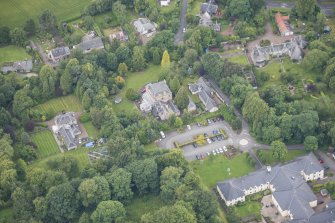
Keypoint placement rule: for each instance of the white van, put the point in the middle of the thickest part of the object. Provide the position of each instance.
(162, 134)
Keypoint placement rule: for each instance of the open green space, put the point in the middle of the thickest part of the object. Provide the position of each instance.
(250, 208)
(215, 168)
(143, 205)
(136, 80)
(57, 105)
(12, 53)
(291, 155)
(240, 59)
(90, 129)
(195, 7)
(46, 143)
(80, 154)
(16, 12)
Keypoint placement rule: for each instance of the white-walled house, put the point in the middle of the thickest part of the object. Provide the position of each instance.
(290, 193)
(165, 2)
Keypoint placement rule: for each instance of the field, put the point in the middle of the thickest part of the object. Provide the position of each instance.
(57, 105)
(16, 12)
(6, 214)
(12, 53)
(143, 205)
(90, 129)
(240, 59)
(80, 154)
(292, 154)
(136, 80)
(214, 168)
(46, 144)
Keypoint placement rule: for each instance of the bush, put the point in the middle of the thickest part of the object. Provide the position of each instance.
(29, 126)
(85, 118)
(132, 95)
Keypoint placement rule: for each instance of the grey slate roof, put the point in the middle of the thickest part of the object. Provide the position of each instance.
(60, 51)
(68, 138)
(325, 216)
(18, 66)
(209, 7)
(291, 191)
(95, 43)
(207, 100)
(68, 129)
(159, 88)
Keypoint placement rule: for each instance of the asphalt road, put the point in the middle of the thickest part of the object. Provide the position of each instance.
(328, 161)
(180, 34)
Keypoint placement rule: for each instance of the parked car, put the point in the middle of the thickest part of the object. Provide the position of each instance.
(205, 134)
(221, 150)
(209, 140)
(184, 30)
(196, 156)
(198, 124)
(321, 161)
(188, 127)
(214, 153)
(225, 149)
(326, 167)
(162, 134)
(213, 139)
(209, 121)
(194, 145)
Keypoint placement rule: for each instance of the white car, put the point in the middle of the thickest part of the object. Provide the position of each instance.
(209, 140)
(188, 127)
(225, 149)
(217, 151)
(184, 30)
(220, 149)
(214, 153)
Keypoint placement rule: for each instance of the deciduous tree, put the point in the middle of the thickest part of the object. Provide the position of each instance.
(109, 211)
(279, 150)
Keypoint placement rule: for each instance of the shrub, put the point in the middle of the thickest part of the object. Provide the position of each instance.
(132, 95)
(29, 126)
(85, 118)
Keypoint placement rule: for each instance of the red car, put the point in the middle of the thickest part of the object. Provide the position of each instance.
(321, 161)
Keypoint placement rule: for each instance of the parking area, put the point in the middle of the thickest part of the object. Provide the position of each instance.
(242, 141)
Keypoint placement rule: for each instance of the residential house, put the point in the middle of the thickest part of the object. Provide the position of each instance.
(157, 98)
(165, 2)
(294, 49)
(205, 20)
(209, 7)
(145, 27)
(290, 193)
(67, 130)
(59, 53)
(88, 45)
(24, 66)
(282, 24)
(121, 36)
(205, 93)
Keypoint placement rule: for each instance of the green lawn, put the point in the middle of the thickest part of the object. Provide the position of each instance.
(16, 12)
(12, 53)
(56, 105)
(91, 130)
(6, 214)
(136, 80)
(214, 169)
(46, 143)
(241, 59)
(195, 7)
(80, 154)
(292, 154)
(250, 208)
(143, 205)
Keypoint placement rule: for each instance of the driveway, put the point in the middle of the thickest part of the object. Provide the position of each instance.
(243, 141)
(180, 34)
(328, 161)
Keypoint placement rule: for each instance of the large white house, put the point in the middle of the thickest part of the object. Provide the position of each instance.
(290, 193)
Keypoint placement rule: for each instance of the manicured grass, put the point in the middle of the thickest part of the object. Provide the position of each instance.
(195, 7)
(214, 169)
(241, 59)
(143, 205)
(6, 214)
(16, 12)
(46, 143)
(90, 129)
(292, 154)
(12, 53)
(136, 80)
(80, 154)
(57, 105)
(250, 208)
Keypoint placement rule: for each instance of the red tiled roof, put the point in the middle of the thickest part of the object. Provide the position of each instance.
(280, 22)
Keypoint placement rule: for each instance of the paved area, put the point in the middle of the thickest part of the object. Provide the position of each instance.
(268, 211)
(328, 161)
(277, 4)
(180, 34)
(243, 141)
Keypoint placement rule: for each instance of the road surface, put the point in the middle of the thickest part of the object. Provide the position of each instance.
(328, 161)
(182, 24)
